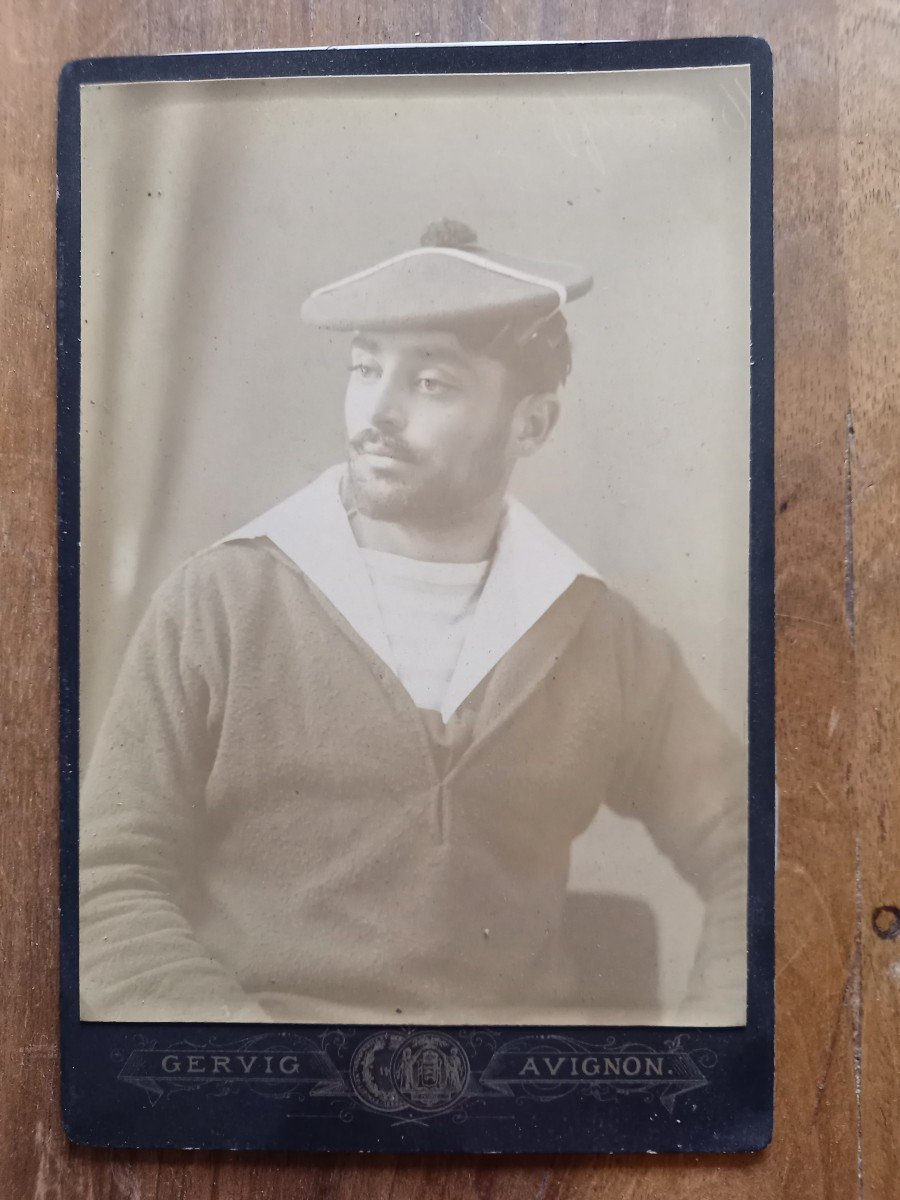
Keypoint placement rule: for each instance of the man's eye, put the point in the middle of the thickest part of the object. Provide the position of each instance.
(364, 370)
(434, 387)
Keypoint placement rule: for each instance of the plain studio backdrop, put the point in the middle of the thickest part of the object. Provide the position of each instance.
(210, 210)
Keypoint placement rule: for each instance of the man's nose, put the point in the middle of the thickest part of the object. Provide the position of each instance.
(387, 402)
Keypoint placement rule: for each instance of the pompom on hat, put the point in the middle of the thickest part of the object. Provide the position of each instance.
(447, 280)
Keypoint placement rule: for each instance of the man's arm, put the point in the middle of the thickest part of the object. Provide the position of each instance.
(142, 804)
(684, 775)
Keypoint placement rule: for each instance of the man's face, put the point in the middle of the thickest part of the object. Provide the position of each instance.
(429, 427)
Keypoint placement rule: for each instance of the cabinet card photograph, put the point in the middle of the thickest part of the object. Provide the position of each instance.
(412, 592)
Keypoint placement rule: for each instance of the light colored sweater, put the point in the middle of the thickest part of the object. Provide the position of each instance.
(266, 834)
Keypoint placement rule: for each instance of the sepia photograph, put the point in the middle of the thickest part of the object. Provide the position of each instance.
(414, 551)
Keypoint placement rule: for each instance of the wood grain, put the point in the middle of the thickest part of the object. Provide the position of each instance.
(838, 299)
(870, 135)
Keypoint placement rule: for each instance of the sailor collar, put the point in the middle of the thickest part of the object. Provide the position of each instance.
(531, 569)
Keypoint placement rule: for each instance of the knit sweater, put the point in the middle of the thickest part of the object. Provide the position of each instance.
(267, 835)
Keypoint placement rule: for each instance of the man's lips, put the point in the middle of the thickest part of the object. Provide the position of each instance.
(381, 451)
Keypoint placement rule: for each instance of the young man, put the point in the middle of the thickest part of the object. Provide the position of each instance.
(351, 745)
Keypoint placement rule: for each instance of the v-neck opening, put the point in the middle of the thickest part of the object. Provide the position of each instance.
(501, 689)
(395, 693)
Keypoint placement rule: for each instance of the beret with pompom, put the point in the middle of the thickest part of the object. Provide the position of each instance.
(448, 280)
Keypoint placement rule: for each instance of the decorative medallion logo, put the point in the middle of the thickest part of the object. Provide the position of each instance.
(430, 1071)
(370, 1072)
(427, 1072)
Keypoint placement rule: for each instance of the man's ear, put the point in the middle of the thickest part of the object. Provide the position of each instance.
(536, 416)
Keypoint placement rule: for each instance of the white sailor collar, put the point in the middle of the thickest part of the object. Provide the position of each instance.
(531, 568)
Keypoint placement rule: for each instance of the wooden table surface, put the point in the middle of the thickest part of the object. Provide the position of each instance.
(837, 206)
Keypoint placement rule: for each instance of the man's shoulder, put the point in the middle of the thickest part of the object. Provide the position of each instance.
(237, 557)
(231, 571)
(612, 607)
(614, 617)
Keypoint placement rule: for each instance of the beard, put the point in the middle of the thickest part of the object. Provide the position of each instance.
(381, 473)
(388, 481)
(402, 495)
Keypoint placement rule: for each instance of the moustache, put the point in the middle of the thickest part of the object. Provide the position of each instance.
(370, 441)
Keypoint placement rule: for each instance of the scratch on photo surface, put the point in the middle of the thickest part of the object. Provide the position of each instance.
(738, 99)
(562, 132)
(593, 150)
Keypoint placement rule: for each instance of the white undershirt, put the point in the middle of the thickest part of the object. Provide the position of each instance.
(426, 608)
